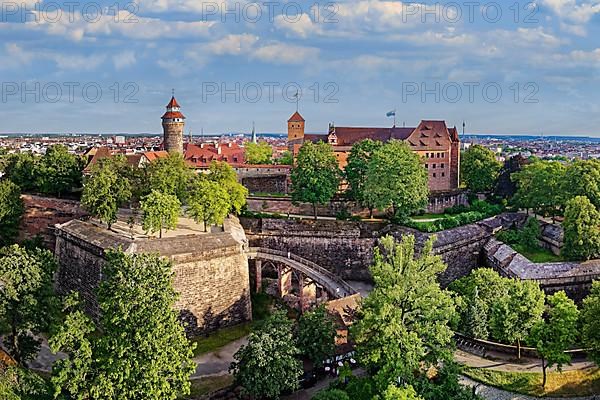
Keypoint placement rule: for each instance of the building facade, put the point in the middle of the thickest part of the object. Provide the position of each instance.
(438, 146)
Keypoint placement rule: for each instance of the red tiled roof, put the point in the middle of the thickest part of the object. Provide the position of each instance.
(203, 155)
(155, 155)
(173, 103)
(347, 136)
(100, 153)
(296, 117)
(172, 115)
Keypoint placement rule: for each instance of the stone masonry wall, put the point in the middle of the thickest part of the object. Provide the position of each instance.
(346, 248)
(214, 292)
(214, 285)
(42, 213)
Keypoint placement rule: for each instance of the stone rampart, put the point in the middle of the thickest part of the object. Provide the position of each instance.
(575, 278)
(346, 248)
(210, 270)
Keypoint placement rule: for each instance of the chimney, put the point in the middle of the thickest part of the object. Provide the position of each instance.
(219, 151)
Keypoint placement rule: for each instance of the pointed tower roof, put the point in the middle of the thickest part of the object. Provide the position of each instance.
(173, 110)
(296, 117)
(173, 103)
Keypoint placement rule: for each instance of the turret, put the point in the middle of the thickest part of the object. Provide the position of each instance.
(173, 122)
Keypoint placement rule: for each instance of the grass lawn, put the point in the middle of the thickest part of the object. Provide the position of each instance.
(427, 217)
(538, 255)
(220, 338)
(261, 309)
(209, 384)
(584, 382)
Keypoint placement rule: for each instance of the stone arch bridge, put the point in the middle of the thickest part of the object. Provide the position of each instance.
(308, 274)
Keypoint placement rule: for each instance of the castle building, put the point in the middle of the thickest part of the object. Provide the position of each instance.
(438, 146)
(173, 122)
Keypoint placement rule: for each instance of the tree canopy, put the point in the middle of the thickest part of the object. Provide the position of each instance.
(138, 349)
(582, 178)
(517, 312)
(20, 169)
(479, 168)
(356, 170)
(160, 211)
(539, 186)
(267, 365)
(208, 201)
(316, 335)
(169, 175)
(396, 178)
(27, 302)
(223, 174)
(11, 211)
(258, 153)
(58, 171)
(591, 323)
(582, 229)
(556, 332)
(106, 189)
(316, 175)
(402, 326)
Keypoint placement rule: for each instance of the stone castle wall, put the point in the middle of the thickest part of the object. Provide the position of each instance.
(346, 248)
(210, 271)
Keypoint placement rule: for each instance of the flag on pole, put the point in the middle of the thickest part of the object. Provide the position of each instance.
(391, 114)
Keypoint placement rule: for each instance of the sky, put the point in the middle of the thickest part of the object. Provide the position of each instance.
(526, 67)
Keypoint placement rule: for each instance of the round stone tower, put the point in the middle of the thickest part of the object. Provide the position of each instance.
(173, 122)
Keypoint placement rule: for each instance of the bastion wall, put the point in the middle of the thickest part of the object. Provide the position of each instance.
(210, 270)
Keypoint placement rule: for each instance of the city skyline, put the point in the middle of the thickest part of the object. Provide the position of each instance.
(352, 62)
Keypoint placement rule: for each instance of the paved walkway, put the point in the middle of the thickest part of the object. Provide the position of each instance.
(217, 362)
(507, 363)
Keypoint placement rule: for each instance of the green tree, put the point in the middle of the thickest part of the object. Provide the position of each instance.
(160, 211)
(539, 186)
(258, 153)
(223, 174)
(106, 190)
(582, 229)
(591, 323)
(396, 178)
(208, 201)
(479, 168)
(287, 158)
(402, 326)
(316, 175)
(27, 301)
(20, 169)
(11, 211)
(356, 171)
(316, 335)
(267, 365)
(516, 313)
(478, 292)
(476, 318)
(169, 175)
(138, 349)
(22, 384)
(582, 178)
(395, 393)
(58, 171)
(556, 333)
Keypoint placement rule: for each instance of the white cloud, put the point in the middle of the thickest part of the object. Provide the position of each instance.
(301, 26)
(233, 44)
(574, 15)
(124, 59)
(283, 53)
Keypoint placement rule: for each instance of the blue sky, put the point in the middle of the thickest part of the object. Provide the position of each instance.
(352, 60)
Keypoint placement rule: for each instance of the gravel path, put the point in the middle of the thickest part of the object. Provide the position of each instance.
(490, 393)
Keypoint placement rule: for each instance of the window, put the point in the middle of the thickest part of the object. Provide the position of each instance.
(426, 166)
(434, 166)
(434, 175)
(443, 174)
(442, 165)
